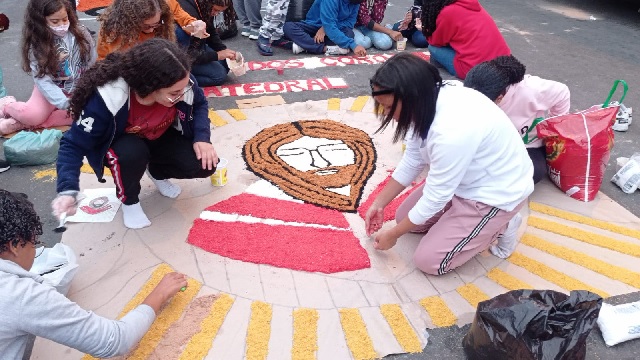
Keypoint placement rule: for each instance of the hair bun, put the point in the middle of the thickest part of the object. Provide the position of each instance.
(513, 69)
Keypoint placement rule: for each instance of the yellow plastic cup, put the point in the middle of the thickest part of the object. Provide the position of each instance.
(219, 178)
(401, 44)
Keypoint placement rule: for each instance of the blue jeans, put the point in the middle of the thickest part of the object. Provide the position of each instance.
(302, 34)
(367, 37)
(443, 56)
(209, 74)
(416, 37)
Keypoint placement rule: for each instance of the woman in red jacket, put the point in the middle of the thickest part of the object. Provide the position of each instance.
(461, 34)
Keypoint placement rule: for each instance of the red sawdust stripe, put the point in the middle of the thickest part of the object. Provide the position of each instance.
(253, 205)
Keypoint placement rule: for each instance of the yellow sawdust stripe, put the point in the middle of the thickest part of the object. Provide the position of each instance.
(333, 104)
(355, 332)
(359, 103)
(237, 114)
(507, 281)
(87, 169)
(402, 329)
(45, 175)
(611, 271)
(216, 119)
(551, 275)
(472, 294)
(168, 316)
(584, 220)
(438, 311)
(199, 345)
(585, 236)
(259, 331)
(305, 334)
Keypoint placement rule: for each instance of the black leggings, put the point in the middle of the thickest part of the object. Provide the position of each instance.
(171, 156)
(538, 157)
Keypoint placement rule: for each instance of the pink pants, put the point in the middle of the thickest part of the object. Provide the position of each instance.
(459, 232)
(37, 112)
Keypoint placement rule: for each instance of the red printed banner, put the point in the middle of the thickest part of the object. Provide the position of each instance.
(325, 61)
(275, 87)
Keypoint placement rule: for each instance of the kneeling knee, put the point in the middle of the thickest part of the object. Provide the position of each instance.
(384, 43)
(427, 264)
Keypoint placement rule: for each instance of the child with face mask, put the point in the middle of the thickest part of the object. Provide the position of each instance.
(55, 52)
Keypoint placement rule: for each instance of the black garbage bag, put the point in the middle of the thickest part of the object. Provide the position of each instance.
(533, 324)
(298, 9)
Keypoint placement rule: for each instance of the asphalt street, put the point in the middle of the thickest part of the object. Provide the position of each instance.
(586, 44)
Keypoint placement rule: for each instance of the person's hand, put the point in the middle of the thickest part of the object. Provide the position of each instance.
(319, 38)
(404, 23)
(165, 290)
(360, 51)
(384, 240)
(395, 35)
(64, 204)
(207, 154)
(226, 54)
(374, 219)
(419, 24)
(197, 28)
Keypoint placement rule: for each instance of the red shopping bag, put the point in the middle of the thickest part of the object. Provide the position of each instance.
(578, 147)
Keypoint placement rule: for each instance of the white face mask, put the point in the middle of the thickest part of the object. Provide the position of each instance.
(60, 30)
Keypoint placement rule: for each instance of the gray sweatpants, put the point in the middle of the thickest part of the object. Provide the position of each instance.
(249, 13)
(274, 18)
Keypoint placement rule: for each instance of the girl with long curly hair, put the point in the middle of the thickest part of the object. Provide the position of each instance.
(210, 54)
(526, 99)
(56, 50)
(31, 307)
(137, 110)
(461, 34)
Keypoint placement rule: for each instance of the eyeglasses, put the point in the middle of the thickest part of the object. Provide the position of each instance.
(152, 26)
(186, 90)
(375, 93)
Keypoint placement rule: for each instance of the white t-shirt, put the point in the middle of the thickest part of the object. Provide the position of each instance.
(472, 151)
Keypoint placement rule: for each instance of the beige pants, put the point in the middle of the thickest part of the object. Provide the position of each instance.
(461, 230)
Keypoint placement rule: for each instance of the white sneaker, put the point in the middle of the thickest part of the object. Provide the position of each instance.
(336, 50)
(623, 118)
(297, 49)
(508, 241)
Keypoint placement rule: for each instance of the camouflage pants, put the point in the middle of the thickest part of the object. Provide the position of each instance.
(274, 18)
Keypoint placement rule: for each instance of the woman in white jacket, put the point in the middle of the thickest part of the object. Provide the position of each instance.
(479, 174)
(526, 100)
(29, 307)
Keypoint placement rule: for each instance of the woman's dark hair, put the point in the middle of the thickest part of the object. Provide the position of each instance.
(123, 20)
(493, 77)
(19, 223)
(151, 65)
(430, 11)
(205, 7)
(37, 37)
(415, 82)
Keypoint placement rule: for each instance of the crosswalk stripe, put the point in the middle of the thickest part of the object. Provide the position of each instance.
(359, 103)
(604, 225)
(199, 345)
(355, 332)
(259, 331)
(611, 271)
(402, 329)
(154, 280)
(216, 119)
(237, 114)
(472, 294)
(333, 104)
(507, 281)
(585, 236)
(438, 311)
(551, 275)
(305, 334)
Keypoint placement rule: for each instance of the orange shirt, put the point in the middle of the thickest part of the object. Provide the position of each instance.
(105, 48)
(180, 16)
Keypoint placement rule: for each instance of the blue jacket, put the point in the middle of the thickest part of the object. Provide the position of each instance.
(104, 119)
(334, 15)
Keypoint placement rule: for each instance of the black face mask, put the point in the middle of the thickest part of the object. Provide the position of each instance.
(355, 1)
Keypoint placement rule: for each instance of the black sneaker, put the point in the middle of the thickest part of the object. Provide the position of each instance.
(4, 166)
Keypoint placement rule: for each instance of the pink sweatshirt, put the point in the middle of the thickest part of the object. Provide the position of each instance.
(531, 98)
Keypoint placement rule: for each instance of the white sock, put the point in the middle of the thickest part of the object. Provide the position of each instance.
(508, 241)
(134, 217)
(166, 187)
